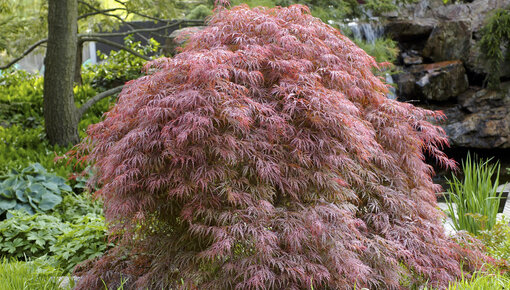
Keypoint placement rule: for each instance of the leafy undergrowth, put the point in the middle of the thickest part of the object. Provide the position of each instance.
(16, 275)
(74, 232)
(491, 280)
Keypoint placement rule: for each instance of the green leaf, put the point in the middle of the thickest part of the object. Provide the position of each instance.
(51, 186)
(6, 204)
(20, 184)
(20, 194)
(36, 191)
(25, 207)
(66, 187)
(49, 201)
(57, 179)
(10, 181)
(33, 203)
(40, 177)
(6, 193)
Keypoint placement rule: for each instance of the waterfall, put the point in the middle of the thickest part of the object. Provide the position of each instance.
(367, 31)
(393, 92)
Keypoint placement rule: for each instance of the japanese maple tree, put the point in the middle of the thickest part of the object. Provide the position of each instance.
(266, 156)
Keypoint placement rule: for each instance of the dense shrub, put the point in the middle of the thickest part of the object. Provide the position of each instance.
(497, 240)
(86, 239)
(20, 99)
(20, 147)
(119, 66)
(22, 137)
(74, 232)
(266, 156)
(29, 236)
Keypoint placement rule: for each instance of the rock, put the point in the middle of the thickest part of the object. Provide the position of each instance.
(433, 82)
(476, 62)
(411, 57)
(448, 41)
(406, 30)
(481, 120)
(474, 12)
(455, 21)
(65, 283)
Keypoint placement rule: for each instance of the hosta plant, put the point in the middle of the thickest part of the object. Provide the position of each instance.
(33, 190)
(266, 156)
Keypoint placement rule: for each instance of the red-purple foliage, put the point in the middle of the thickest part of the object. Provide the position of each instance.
(266, 156)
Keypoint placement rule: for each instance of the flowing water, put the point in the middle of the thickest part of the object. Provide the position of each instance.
(367, 31)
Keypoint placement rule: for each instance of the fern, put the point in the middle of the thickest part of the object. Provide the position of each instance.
(495, 34)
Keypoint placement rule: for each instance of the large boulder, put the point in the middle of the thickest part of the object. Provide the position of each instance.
(451, 31)
(410, 29)
(449, 40)
(440, 81)
(481, 119)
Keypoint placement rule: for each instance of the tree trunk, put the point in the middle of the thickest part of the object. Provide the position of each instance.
(79, 60)
(60, 113)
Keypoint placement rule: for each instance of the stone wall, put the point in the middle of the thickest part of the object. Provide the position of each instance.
(442, 68)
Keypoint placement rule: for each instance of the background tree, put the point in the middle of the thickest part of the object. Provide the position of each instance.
(61, 114)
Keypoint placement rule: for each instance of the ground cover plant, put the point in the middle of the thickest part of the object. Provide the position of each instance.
(15, 275)
(74, 232)
(266, 156)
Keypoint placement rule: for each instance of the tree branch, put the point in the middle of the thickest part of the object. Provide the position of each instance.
(99, 12)
(97, 98)
(34, 46)
(114, 16)
(114, 44)
(139, 14)
(109, 34)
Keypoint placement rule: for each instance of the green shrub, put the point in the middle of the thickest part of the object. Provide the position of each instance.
(120, 66)
(63, 244)
(86, 239)
(29, 236)
(474, 202)
(73, 232)
(15, 275)
(74, 206)
(21, 99)
(383, 49)
(199, 12)
(33, 190)
(497, 240)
